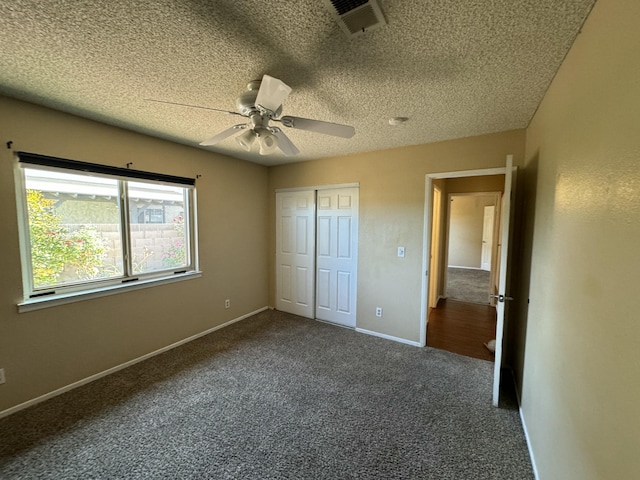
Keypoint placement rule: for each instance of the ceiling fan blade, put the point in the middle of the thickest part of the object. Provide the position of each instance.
(224, 134)
(194, 106)
(272, 93)
(287, 147)
(318, 126)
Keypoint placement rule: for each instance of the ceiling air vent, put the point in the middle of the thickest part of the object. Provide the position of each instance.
(356, 17)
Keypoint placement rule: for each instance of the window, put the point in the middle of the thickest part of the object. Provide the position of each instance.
(89, 228)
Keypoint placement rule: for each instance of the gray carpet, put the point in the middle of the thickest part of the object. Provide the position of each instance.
(468, 285)
(275, 397)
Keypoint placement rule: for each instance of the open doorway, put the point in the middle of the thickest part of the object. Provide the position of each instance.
(472, 230)
(464, 260)
(505, 256)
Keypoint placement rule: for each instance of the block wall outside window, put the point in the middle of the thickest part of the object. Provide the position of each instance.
(90, 227)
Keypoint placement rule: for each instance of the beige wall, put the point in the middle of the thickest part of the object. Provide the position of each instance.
(48, 349)
(484, 183)
(392, 189)
(466, 225)
(580, 375)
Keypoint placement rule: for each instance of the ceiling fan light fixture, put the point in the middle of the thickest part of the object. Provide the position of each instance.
(246, 140)
(268, 143)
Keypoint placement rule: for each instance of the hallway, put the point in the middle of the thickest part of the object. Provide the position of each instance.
(462, 328)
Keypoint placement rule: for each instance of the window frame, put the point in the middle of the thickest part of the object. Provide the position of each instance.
(36, 298)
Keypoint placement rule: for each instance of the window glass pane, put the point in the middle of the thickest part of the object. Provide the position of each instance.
(159, 239)
(74, 227)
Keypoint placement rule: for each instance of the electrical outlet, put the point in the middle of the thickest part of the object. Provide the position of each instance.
(378, 311)
(227, 303)
(2, 379)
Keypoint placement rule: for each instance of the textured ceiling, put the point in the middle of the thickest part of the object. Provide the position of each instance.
(455, 68)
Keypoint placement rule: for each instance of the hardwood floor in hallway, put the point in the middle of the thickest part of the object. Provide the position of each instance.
(462, 327)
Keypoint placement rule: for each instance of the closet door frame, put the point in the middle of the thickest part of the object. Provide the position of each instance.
(285, 302)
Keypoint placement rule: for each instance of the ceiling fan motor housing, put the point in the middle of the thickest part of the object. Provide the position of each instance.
(246, 102)
(259, 121)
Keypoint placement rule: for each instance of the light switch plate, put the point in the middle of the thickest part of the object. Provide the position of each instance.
(401, 252)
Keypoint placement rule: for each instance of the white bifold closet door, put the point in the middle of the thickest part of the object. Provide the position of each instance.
(336, 255)
(295, 252)
(316, 254)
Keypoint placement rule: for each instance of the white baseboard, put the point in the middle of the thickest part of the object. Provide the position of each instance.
(526, 436)
(466, 268)
(440, 297)
(389, 337)
(111, 370)
(524, 426)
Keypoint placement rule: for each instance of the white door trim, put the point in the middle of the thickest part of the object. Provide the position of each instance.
(319, 187)
(468, 173)
(426, 239)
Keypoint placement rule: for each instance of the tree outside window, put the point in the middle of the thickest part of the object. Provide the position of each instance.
(55, 249)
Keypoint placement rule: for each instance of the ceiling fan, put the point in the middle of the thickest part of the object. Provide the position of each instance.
(261, 104)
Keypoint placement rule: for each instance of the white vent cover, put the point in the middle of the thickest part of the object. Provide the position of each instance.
(356, 17)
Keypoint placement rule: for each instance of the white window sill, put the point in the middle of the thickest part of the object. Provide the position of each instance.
(72, 297)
